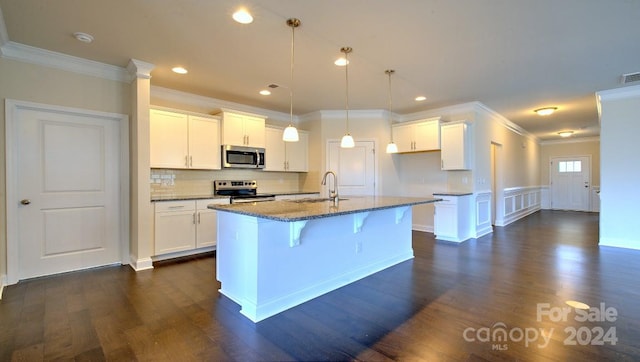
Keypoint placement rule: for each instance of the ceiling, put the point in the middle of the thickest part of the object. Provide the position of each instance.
(512, 56)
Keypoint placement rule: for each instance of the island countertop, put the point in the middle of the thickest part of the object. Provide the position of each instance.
(307, 209)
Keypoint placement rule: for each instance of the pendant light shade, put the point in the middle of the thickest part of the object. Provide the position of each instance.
(347, 140)
(391, 147)
(290, 133)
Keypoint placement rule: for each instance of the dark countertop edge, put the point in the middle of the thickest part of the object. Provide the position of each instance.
(320, 216)
(201, 197)
(452, 193)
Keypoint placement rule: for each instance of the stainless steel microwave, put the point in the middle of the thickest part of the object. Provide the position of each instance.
(242, 157)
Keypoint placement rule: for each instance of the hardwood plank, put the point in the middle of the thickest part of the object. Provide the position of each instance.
(417, 310)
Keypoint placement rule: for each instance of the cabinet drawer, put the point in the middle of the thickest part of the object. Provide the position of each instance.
(175, 205)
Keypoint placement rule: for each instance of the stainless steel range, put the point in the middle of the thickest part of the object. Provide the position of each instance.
(240, 191)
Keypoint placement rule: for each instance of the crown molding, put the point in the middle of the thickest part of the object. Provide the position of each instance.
(69, 63)
(139, 69)
(570, 140)
(213, 103)
(353, 114)
(440, 112)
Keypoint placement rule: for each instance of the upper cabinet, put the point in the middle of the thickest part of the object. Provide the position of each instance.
(242, 129)
(183, 141)
(286, 156)
(417, 136)
(456, 148)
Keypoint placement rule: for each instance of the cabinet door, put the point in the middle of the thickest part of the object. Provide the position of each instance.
(446, 221)
(255, 131)
(427, 136)
(454, 147)
(297, 154)
(204, 143)
(233, 129)
(174, 231)
(403, 137)
(168, 133)
(275, 150)
(207, 230)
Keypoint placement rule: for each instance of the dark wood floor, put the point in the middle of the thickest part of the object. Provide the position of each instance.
(417, 310)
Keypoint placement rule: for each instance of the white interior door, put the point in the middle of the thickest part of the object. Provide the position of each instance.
(68, 190)
(355, 167)
(570, 183)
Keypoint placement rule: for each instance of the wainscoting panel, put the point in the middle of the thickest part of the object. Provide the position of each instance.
(519, 202)
(483, 214)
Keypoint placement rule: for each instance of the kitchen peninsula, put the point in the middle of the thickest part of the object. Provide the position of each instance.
(272, 256)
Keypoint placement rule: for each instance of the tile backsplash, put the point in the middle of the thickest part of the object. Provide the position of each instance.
(200, 182)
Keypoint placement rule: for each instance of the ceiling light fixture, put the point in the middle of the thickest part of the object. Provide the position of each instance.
(347, 140)
(179, 70)
(290, 133)
(341, 62)
(242, 16)
(391, 147)
(545, 111)
(83, 37)
(565, 134)
(265, 92)
(420, 98)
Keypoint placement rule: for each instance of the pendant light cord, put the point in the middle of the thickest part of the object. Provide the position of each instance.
(389, 72)
(293, 32)
(346, 76)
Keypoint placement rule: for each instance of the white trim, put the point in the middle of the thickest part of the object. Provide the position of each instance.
(422, 227)
(3, 279)
(11, 159)
(179, 254)
(213, 103)
(482, 206)
(620, 243)
(140, 264)
(139, 70)
(353, 114)
(570, 140)
(69, 63)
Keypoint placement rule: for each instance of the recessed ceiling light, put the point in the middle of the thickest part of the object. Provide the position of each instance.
(179, 70)
(83, 37)
(341, 62)
(265, 92)
(545, 111)
(565, 134)
(420, 98)
(242, 16)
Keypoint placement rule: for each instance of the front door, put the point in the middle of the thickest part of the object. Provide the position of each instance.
(570, 183)
(355, 167)
(68, 190)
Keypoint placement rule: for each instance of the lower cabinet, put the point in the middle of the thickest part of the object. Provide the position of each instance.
(453, 219)
(185, 225)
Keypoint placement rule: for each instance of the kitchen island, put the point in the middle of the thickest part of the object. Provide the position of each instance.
(272, 256)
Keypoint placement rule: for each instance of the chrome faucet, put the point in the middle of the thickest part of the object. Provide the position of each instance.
(333, 194)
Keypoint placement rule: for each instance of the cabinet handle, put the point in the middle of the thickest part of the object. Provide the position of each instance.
(190, 161)
(186, 160)
(176, 207)
(198, 218)
(194, 217)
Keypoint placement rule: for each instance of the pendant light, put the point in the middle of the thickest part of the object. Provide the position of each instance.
(290, 133)
(347, 140)
(391, 147)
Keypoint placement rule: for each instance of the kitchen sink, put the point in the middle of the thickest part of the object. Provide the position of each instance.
(315, 199)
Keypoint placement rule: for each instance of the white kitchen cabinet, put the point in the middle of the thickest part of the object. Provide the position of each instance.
(286, 156)
(452, 218)
(185, 225)
(417, 136)
(241, 129)
(183, 141)
(456, 148)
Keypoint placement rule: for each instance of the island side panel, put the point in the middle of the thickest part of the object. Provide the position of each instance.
(332, 253)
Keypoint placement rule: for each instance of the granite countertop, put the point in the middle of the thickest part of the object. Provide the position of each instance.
(307, 209)
(452, 193)
(172, 197)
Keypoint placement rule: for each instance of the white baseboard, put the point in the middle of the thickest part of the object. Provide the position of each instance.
(179, 254)
(620, 243)
(422, 227)
(140, 264)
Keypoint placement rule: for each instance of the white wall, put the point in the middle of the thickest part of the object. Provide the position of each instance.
(619, 169)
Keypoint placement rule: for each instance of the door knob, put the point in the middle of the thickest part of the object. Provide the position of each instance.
(25, 201)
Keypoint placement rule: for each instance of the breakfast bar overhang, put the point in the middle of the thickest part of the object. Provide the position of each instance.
(272, 256)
